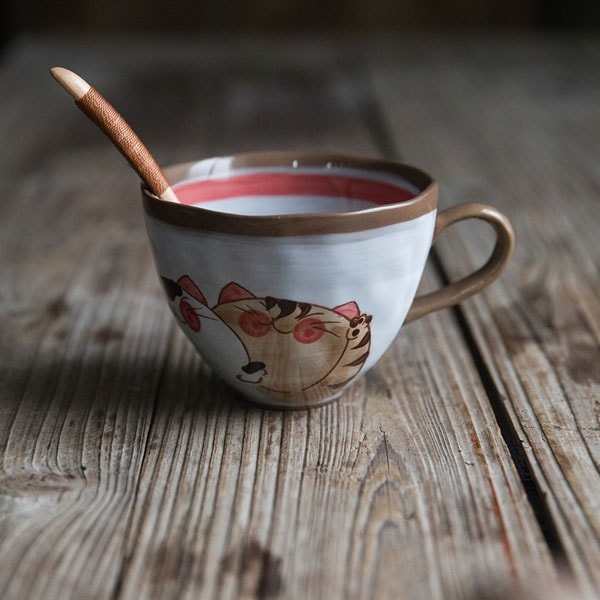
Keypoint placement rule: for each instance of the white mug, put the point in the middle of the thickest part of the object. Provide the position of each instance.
(292, 273)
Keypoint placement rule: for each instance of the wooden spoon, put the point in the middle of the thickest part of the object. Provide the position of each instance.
(101, 112)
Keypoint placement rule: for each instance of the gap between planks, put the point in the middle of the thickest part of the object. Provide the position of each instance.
(371, 111)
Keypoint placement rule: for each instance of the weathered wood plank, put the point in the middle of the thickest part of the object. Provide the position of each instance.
(520, 130)
(126, 469)
(325, 503)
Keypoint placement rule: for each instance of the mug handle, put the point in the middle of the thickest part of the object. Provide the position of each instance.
(456, 292)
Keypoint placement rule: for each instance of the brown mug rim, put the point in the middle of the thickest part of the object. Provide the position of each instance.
(196, 217)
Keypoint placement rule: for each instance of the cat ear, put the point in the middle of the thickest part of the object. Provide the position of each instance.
(350, 310)
(188, 286)
(234, 291)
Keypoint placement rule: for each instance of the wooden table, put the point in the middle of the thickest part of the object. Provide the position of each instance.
(464, 465)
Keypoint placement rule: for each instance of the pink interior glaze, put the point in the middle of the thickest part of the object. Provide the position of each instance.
(291, 184)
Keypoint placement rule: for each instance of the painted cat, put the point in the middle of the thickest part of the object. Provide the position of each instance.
(303, 346)
(221, 348)
(292, 349)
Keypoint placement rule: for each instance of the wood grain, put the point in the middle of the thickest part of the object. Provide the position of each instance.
(324, 503)
(126, 468)
(518, 127)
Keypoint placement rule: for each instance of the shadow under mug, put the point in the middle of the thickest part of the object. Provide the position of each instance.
(292, 273)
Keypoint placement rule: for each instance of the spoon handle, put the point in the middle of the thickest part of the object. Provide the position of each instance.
(104, 115)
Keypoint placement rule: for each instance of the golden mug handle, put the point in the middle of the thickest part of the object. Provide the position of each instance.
(457, 291)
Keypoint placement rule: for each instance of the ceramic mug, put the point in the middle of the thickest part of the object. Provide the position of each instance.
(293, 273)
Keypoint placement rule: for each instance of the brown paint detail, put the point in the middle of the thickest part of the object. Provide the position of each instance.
(192, 217)
(454, 293)
(365, 341)
(359, 361)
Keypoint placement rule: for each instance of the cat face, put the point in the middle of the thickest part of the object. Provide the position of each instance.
(292, 350)
(306, 348)
(221, 348)
(188, 302)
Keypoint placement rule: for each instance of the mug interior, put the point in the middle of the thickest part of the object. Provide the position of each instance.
(283, 191)
(278, 194)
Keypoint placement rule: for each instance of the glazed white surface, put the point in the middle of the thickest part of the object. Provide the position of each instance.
(286, 205)
(379, 269)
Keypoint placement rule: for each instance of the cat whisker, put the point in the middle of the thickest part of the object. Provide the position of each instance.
(263, 318)
(325, 330)
(253, 311)
(199, 313)
(247, 309)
